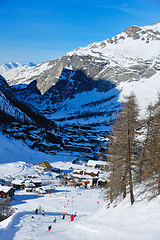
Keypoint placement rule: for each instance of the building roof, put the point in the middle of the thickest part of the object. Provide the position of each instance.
(18, 182)
(5, 189)
(45, 165)
(47, 187)
(94, 163)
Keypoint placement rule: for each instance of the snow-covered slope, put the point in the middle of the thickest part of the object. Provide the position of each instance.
(16, 73)
(8, 103)
(86, 86)
(95, 219)
(134, 42)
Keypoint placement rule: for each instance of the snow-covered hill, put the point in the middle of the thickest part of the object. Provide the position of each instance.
(13, 150)
(8, 104)
(86, 86)
(16, 73)
(95, 218)
(134, 42)
(128, 59)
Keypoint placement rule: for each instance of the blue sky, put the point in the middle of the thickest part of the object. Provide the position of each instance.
(36, 30)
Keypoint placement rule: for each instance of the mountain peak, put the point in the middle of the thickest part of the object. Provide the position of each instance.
(132, 31)
(29, 64)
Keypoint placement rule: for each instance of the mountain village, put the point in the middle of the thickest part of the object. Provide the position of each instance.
(79, 142)
(46, 178)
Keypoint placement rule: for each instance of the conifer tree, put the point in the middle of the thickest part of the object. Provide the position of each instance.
(121, 149)
(151, 149)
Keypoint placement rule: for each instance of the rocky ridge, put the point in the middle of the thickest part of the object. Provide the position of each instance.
(82, 88)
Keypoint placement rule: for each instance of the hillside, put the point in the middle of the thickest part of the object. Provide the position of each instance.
(83, 89)
(120, 62)
(94, 217)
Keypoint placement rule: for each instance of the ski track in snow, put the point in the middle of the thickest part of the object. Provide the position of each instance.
(24, 220)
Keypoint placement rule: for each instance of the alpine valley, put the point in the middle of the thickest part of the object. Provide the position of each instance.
(69, 103)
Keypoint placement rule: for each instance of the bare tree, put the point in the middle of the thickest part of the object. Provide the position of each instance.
(151, 149)
(122, 148)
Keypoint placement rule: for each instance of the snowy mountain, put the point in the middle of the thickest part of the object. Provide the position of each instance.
(81, 91)
(123, 61)
(85, 87)
(8, 104)
(16, 73)
(9, 69)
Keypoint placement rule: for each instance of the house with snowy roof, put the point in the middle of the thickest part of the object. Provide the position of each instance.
(46, 189)
(96, 164)
(18, 184)
(84, 178)
(6, 192)
(37, 182)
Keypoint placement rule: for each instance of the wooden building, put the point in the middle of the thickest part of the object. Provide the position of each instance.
(6, 192)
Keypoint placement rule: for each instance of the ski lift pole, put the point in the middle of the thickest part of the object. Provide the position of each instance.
(72, 204)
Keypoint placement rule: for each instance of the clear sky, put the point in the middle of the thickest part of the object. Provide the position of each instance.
(36, 30)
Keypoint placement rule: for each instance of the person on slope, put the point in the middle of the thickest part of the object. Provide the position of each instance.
(36, 211)
(49, 228)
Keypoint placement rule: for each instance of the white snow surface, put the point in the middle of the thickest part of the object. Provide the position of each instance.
(145, 90)
(126, 47)
(23, 72)
(94, 219)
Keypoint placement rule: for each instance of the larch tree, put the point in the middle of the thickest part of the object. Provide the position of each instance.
(121, 149)
(151, 149)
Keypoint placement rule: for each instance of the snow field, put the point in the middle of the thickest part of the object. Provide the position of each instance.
(70, 200)
(93, 221)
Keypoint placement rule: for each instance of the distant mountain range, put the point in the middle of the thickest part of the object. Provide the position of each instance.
(86, 86)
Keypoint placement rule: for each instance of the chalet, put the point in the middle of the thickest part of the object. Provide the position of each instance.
(37, 182)
(89, 182)
(78, 171)
(46, 189)
(43, 166)
(84, 180)
(86, 183)
(6, 192)
(18, 184)
(29, 183)
(74, 183)
(90, 172)
(96, 164)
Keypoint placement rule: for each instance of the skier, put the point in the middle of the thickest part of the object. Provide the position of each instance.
(49, 228)
(54, 220)
(63, 217)
(36, 211)
(43, 213)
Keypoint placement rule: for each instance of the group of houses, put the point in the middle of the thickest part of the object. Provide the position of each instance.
(46, 178)
(30, 184)
(85, 176)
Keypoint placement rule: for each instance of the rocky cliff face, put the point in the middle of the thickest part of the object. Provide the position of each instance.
(131, 55)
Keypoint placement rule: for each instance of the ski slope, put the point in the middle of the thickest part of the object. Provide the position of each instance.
(93, 220)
